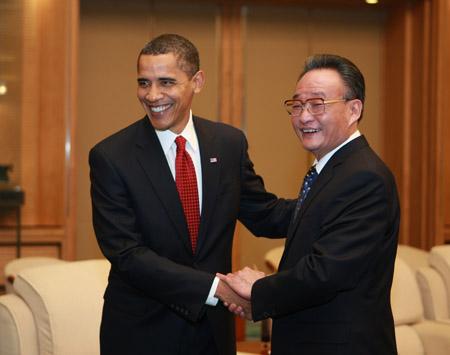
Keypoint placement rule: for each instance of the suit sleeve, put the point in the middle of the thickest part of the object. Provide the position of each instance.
(262, 212)
(354, 234)
(182, 288)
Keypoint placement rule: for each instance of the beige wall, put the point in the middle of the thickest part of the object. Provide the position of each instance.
(276, 42)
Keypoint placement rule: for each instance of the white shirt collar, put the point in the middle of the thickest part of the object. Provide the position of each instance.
(167, 137)
(321, 163)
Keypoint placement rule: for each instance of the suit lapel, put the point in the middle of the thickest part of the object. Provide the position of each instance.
(153, 161)
(320, 183)
(322, 180)
(211, 165)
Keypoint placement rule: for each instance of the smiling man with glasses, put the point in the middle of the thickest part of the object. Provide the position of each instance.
(331, 294)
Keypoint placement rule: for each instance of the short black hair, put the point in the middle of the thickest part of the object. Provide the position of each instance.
(349, 72)
(184, 50)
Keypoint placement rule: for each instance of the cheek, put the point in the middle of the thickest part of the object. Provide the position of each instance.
(140, 94)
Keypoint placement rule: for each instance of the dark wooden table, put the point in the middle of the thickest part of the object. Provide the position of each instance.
(12, 197)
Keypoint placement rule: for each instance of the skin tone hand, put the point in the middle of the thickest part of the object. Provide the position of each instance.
(241, 282)
(229, 297)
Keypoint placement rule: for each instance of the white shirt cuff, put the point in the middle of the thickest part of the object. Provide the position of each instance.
(211, 300)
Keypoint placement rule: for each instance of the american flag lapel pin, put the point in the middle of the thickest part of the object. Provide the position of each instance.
(213, 160)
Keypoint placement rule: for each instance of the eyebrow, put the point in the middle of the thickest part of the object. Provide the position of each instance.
(167, 79)
(159, 79)
(315, 95)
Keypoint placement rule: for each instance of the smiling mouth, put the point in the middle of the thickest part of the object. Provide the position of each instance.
(310, 130)
(160, 108)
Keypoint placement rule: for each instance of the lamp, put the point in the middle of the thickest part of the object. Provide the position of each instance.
(3, 88)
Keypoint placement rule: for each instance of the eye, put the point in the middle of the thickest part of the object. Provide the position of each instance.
(315, 102)
(167, 83)
(143, 83)
(296, 105)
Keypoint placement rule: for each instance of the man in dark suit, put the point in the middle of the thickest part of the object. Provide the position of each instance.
(166, 225)
(331, 294)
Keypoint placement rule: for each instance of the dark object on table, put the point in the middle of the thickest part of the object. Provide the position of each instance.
(11, 196)
(4, 172)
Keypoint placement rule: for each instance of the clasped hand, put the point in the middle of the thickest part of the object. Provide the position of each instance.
(235, 290)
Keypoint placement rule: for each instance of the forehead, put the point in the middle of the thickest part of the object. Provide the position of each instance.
(320, 83)
(160, 64)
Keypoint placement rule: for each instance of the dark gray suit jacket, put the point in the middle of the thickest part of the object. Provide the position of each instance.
(157, 288)
(332, 292)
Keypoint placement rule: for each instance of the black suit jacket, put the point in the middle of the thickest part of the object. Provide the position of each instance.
(332, 292)
(155, 299)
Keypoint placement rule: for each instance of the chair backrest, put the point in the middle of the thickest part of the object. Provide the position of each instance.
(434, 294)
(414, 257)
(439, 259)
(15, 266)
(405, 295)
(66, 301)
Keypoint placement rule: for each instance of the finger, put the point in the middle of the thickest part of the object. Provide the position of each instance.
(221, 276)
(232, 307)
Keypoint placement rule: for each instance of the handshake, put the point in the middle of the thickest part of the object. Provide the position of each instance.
(235, 290)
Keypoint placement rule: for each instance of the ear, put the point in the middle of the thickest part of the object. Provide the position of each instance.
(355, 109)
(198, 80)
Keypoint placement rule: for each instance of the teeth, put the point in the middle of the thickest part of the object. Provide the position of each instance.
(309, 130)
(159, 108)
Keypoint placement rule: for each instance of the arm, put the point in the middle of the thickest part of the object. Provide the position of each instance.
(263, 213)
(353, 234)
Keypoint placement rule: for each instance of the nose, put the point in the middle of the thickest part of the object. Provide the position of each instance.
(303, 117)
(153, 93)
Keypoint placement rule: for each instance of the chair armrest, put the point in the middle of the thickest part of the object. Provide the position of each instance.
(17, 327)
(435, 337)
(408, 341)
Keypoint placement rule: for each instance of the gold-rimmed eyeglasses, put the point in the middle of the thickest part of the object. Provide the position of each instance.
(315, 106)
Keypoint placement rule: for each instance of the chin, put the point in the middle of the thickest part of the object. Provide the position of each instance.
(158, 125)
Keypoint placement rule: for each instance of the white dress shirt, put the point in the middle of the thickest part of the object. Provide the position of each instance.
(167, 140)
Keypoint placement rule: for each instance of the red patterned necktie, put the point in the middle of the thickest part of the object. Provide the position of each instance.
(186, 182)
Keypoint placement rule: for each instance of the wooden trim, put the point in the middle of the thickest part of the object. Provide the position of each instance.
(416, 112)
(69, 248)
(444, 124)
(49, 72)
(231, 65)
(34, 234)
(440, 38)
(231, 98)
(396, 126)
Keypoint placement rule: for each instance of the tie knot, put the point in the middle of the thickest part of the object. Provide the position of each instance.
(312, 172)
(181, 143)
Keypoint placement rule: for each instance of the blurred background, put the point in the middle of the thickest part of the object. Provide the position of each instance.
(68, 79)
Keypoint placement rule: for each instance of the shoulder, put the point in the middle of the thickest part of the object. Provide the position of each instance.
(218, 130)
(364, 168)
(215, 126)
(120, 140)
